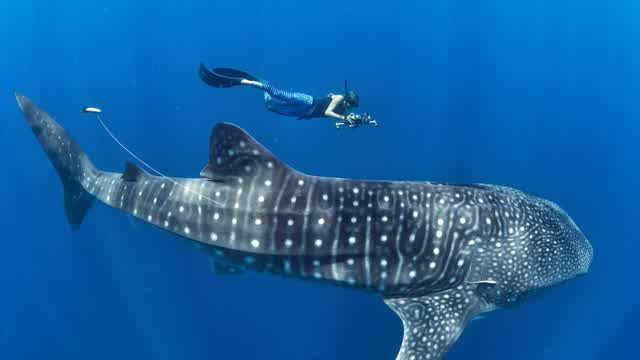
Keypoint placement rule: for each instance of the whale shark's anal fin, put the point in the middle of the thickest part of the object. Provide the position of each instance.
(235, 154)
(434, 322)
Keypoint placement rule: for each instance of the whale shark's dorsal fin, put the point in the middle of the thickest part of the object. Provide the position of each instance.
(235, 154)
(133, 172)
(434, 322)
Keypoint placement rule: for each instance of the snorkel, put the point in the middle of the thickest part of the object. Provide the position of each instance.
(351, 98)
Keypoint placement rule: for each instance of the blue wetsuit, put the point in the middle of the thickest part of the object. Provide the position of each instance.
(290, 103)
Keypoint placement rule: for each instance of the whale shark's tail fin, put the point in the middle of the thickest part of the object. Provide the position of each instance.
(432, 323)
(71, 163)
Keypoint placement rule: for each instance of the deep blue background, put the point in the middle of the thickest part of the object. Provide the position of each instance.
(540, 95)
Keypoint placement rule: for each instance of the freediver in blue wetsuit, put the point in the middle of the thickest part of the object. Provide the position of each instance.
(296, 104)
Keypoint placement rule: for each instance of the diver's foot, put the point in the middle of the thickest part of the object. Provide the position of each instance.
(249, 82)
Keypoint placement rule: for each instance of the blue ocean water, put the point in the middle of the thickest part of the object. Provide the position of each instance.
(538, 95)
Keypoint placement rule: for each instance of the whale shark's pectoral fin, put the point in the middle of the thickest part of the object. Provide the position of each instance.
(234, 154)
(434, 322)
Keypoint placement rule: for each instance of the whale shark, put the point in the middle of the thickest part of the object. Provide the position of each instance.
(438, 254)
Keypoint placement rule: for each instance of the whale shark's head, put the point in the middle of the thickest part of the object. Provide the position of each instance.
(557, 251)
(562, 250)
(547, 250)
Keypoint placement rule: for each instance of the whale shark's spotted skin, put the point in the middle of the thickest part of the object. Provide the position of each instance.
(439, 254)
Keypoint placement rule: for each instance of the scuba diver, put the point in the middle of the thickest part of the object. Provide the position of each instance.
(288, 103)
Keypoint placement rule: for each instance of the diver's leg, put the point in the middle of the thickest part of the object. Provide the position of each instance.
(290, 107)
(283, 95)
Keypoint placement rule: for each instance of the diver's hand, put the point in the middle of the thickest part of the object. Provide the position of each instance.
(352, 118)
(356, 119)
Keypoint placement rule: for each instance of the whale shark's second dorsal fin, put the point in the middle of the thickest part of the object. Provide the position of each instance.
(133, 172)
(235, 154)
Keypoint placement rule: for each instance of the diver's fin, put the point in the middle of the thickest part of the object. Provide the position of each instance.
(224, 269)
(434, 322)
(133, 172)
(223, 77)
(234, 74)
(235, 154)
(69, 160)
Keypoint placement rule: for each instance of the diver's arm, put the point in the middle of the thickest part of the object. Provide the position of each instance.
(335, 100)
(350, 119)
(333, 115)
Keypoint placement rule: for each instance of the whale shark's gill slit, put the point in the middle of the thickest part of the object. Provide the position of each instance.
(187, 189)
